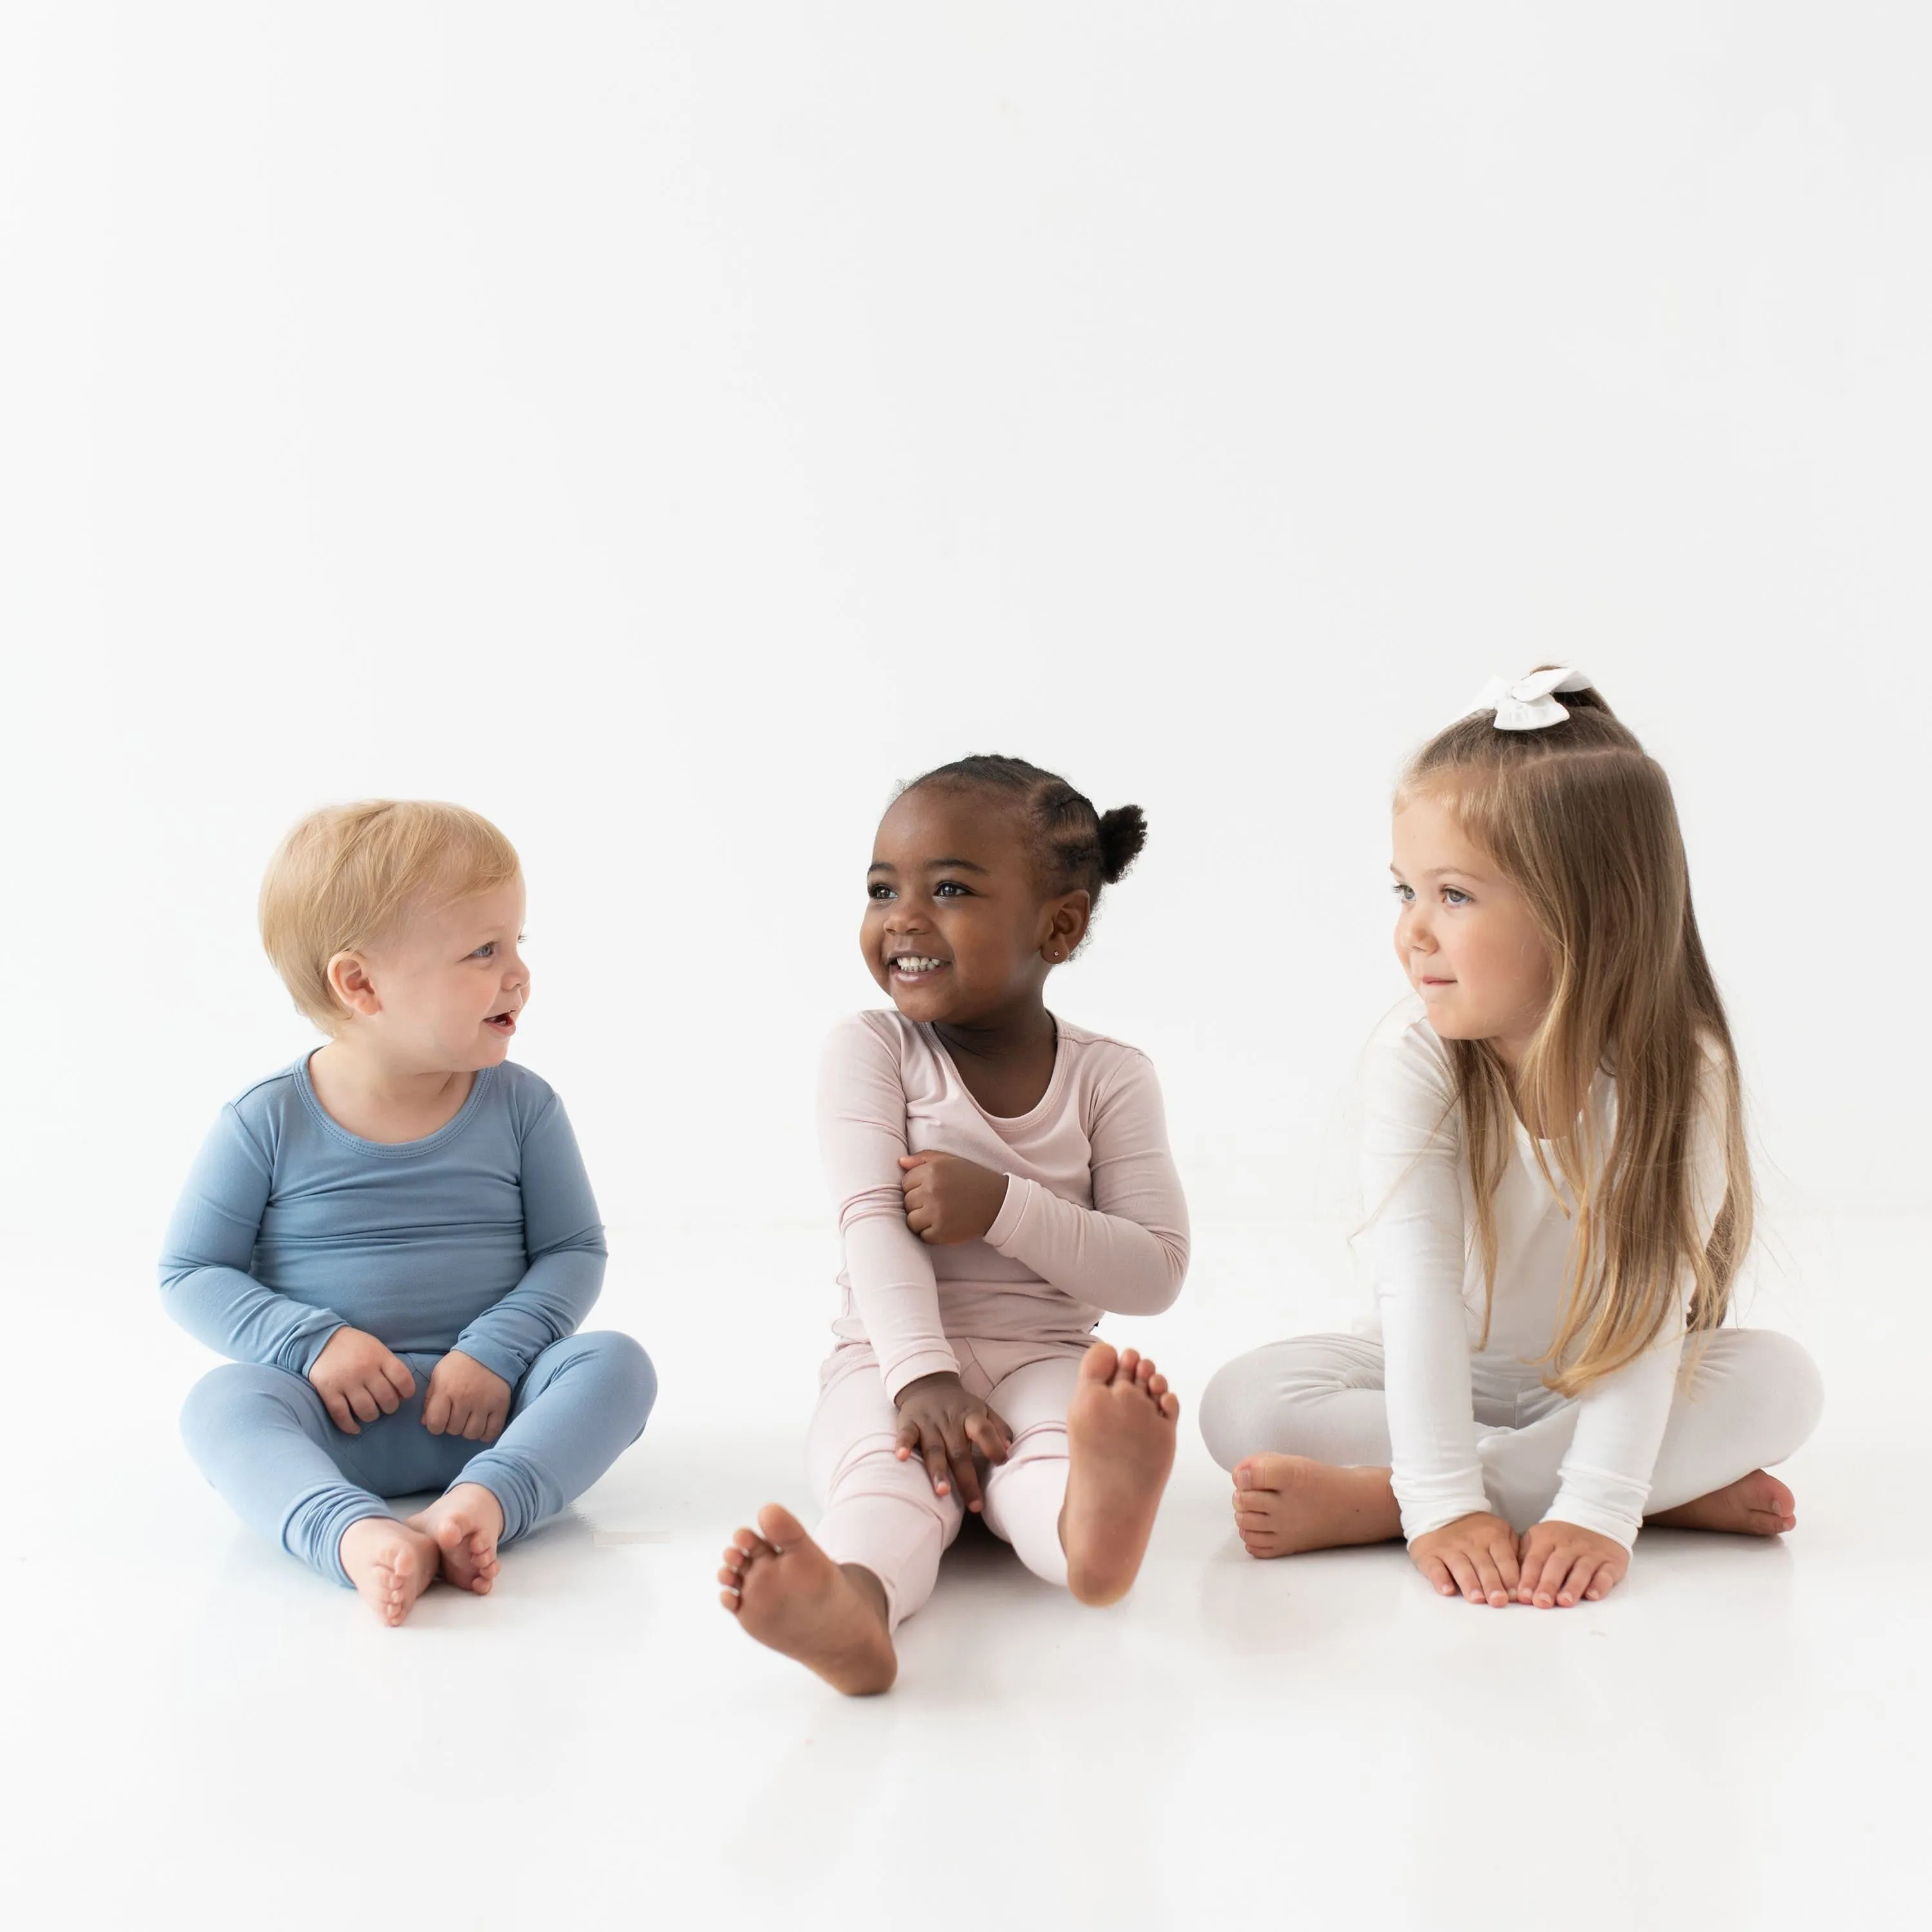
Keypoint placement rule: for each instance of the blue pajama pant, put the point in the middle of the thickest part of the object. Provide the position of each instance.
(263, 1437)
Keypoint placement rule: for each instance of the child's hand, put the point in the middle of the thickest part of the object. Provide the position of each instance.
(356, 1375)
(1475, 1554)
(465, 1399)
(944, 1425)
(1563, 1564)
(949, 1199)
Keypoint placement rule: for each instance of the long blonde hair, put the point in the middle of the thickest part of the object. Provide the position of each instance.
(1581, 821)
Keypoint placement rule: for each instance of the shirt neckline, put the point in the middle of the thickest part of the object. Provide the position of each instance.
(450, 1128)
(999, 1121)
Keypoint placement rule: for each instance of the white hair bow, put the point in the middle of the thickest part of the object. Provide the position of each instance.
(1528, 705)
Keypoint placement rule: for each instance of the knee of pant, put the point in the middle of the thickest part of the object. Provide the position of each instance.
(1225, 1423)
(1794, 1391)
(215, 1403)
(630, 1367)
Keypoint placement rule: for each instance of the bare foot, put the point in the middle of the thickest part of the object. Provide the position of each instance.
(464, 1522)
(1285, 1504)
(1754, 1505)
(1120, 1444)
(790, 1595)
(391, 1563)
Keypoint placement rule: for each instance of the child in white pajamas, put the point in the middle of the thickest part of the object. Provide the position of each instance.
(1545, 1371)
(1002, 1177)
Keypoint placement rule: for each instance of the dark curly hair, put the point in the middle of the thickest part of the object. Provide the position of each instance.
(1074, 847)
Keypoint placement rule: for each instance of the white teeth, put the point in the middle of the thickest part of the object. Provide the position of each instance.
(910, 963)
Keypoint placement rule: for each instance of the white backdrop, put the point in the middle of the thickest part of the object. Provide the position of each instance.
(663, 426)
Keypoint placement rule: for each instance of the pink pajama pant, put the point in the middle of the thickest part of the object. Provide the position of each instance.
(883, 1513)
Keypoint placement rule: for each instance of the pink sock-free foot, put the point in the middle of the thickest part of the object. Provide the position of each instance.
(1119, 1448)
(464, 1522)
(1754, 1505)
(1285, 1504)
(392, 1563)
(794, 1599)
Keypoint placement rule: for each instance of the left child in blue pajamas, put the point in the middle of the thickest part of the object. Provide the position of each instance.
(395, 1238)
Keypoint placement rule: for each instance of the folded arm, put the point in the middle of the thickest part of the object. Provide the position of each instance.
(209, 1248)
(862, 1134)
(1128, 1253)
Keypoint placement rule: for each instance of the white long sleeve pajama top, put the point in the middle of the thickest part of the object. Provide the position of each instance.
(1426, 1271)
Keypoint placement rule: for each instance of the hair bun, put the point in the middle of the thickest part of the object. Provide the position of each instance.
(1122, 833)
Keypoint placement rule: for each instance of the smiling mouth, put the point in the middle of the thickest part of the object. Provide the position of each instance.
(913, 966)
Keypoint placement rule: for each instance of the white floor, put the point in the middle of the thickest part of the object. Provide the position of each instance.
(199, 1731)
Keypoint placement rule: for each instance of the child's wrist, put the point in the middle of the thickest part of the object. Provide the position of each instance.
(945, 1379)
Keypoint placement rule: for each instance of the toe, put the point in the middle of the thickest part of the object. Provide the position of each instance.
(780, 1526)
(1099, 1363)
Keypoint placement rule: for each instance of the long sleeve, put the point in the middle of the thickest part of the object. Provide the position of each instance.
(209, 1248)
(1605, 1479)
(1128, 1253)
(565, 1241)
(1411, 1157)
(862, 1132)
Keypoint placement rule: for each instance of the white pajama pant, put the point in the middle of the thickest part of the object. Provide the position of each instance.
(1746, 1398)
(883, 1513)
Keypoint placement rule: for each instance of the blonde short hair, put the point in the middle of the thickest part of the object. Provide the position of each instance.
(346, 876)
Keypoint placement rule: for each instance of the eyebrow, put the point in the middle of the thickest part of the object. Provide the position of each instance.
(931, 865)
(1442, 872)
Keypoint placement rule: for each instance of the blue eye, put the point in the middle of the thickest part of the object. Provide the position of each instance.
(487, 950)
(1456, 896)
(1403, 892)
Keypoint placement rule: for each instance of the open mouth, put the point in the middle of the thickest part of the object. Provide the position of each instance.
(504, 1022)
(911, 967)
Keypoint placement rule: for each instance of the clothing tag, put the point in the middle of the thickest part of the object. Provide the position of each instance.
(603, 1538)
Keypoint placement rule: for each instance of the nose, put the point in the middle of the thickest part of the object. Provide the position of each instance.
(1413, 928)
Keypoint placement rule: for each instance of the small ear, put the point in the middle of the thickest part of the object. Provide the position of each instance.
(1068, 926)
(349, 980)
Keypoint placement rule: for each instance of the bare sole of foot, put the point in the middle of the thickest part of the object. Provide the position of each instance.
(1754, 1505)
(1120, 1447)
(789, 1594)
(392, 1563)
(1286, 1505)
(464, 1522)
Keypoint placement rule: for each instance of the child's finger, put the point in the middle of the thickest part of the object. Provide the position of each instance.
(988, 1434)
(386, 1397)
(436, 1411)
(965, 1477)
(1503, 1552)
(1433, 1567)
(913, 1160)
(1573, 1585)
(1532, 1570)
(472, 1426)
(1464, 1572)
(1488, 1576)
(933, 1451)
(364, 1403)
(907, 1441)
(400, 1378)
(339, 1415)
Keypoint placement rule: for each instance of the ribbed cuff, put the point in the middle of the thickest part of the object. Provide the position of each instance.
(498, 1361)
(1618, 1524)
(940, 1361)
(1012, 1212)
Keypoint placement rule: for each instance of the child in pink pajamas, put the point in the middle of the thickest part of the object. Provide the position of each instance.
(1003, 1178)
